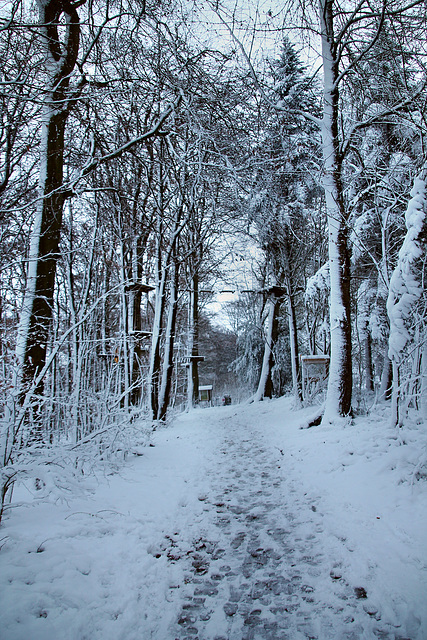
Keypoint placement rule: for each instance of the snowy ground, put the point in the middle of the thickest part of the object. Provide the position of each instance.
(236, 525)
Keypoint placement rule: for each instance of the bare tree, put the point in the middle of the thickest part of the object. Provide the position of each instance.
(60, 59)
(60, 30)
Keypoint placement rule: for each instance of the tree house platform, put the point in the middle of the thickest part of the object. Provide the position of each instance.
(138, 287)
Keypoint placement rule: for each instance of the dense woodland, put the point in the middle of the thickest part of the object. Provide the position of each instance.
(139, 149)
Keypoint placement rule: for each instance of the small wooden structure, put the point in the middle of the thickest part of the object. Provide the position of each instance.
(140, 334)
(205, 394)
(187, 360)
(276, 291)
(138, 287)
(315, 371)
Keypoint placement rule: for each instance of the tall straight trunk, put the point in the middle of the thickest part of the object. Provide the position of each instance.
(423, 373)
(193, 331)
(37, 309)
(367, 361)
(75, 371)
(395, 395)
(269, 388)
(161, 270)
(125, 329)
(155, 356)
(264, 389)
(167, 372)
(136, 351)
(293, 343)
(386, 378)
(292, 321)
(367, 372)
(135, 294)
(338, 399)
(36, 314)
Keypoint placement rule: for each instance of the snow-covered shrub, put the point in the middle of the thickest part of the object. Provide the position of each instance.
(53, 470)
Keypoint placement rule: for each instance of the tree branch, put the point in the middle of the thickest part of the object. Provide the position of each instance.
(69, 189)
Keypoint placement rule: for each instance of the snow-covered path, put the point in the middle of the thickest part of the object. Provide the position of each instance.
(221, 531)
(255, 562)
(261, 553)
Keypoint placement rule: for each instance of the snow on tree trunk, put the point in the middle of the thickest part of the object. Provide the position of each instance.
(293, 337)
(367, 360)
(423, 390)
(338, 399)
(262, 390)
(167, 370)
(386, 378)
(366, 296)
(193, 346)
(292, 322)
(135, 351)
(155, 358)
(406, 289)
(124, 312)
(293, 343)
(36, 314)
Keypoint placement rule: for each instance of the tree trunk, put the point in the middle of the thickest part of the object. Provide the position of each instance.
(406, 301)
(36, 314)
(167, 373)
(293, 328)
(155, 357)
(395, 396)
(293, 343)
(386, 378)
(264, 389)
(423, 389)
(124, 304)
(368, 373)
(136, 355)
(338, 399)
(193, 330)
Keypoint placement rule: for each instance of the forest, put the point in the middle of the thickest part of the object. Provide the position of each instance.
(153, 152)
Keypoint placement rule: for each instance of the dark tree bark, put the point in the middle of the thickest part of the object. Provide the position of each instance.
(195, 345)
(269, 385)
(386, 378)
(36, 317)
(265, 384)
(367, 361)
(193, 367)
(292, 320)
